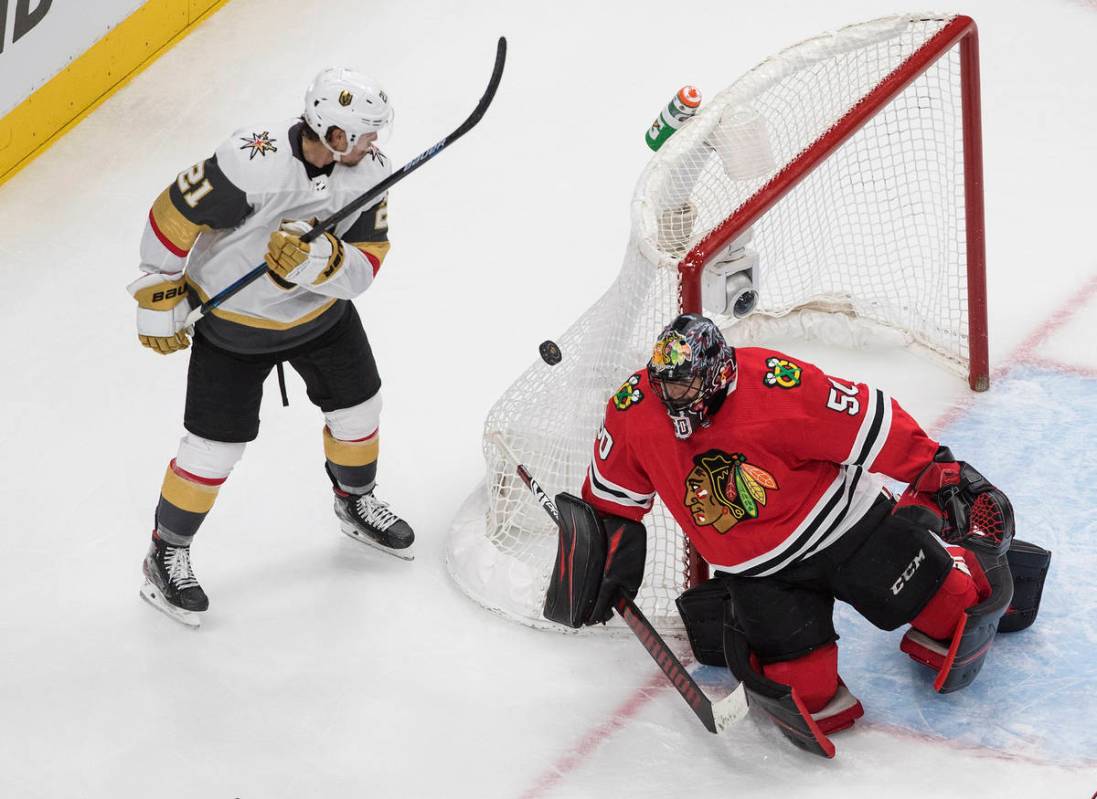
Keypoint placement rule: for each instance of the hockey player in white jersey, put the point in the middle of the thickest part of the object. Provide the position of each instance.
(251, 200)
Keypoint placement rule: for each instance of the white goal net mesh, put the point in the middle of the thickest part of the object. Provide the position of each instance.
(873, 233)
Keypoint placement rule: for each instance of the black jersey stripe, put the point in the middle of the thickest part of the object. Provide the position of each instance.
(789, 553)
(874, 429)
(825, 539)
(612, 494)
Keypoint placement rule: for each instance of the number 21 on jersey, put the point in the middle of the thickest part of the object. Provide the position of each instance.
(193, 184)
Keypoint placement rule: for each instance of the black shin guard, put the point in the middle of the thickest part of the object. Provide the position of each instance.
(702, 612)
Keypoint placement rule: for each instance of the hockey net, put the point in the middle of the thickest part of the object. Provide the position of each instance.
(850, 163)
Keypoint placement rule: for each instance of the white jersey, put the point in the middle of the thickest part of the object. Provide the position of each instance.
(216, 219)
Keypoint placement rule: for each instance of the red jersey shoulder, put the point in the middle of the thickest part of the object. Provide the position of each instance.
(771, 369)
(632, 392)
(634, 407)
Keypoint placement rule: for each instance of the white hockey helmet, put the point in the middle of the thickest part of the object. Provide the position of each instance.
(346, 99)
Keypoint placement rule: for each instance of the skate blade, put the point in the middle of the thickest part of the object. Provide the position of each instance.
(402, 554)
(151, 594)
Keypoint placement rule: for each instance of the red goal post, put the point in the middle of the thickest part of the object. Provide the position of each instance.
(846, 173)
(960, 30)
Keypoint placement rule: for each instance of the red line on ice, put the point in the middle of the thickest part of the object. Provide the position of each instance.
(574, 757)
(1062, 315)
(1060, 366)
(1025, 353)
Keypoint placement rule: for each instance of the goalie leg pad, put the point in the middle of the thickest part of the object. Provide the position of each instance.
(1028, 565)
(702, 612)
(781, 617)
(840, 712)
(814, 678)
(939, 618)
(814, 675)
(959, 660)
(782, 703)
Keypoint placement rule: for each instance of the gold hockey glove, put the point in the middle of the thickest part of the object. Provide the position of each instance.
(297, 262)
(162, 309)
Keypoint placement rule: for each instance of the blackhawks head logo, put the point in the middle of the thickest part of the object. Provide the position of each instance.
(782, 373)
(723, 490)
(628, 394)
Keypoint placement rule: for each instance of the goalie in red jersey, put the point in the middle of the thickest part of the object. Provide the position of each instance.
(774, 470)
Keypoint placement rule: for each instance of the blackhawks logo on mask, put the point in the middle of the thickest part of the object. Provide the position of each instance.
(724, 489)
(782, 373)
(671, 350)
(628, 394)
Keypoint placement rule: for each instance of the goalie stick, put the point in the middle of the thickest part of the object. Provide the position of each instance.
(716, 716)
(373, 193)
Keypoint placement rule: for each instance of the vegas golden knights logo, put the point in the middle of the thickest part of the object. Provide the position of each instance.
(345, 97)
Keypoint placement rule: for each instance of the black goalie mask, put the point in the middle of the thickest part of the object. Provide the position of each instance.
(692, 369)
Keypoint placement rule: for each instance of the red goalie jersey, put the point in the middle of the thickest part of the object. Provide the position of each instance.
(782, 472)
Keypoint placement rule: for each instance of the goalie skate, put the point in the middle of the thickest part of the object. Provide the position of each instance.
(368, 520)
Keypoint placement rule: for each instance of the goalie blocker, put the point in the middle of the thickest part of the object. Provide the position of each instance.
(597, 558)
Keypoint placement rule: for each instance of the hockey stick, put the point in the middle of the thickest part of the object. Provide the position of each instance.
(373, 193)
(716, 716)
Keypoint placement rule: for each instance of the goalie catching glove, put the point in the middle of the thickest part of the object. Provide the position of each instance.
(598, 559)
(960, 505)
(162, 310)
(300, 262)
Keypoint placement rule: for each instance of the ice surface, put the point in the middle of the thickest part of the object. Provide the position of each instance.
(327, 670)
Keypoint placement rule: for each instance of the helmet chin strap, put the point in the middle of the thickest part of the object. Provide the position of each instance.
(338, 156)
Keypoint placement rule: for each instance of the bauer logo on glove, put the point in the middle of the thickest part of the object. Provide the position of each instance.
(162, 309)
(302, 262)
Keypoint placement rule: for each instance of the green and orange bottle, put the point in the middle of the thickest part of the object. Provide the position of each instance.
(681, 107)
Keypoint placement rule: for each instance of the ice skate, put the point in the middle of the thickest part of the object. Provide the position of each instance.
(365, 518)
(170, 585)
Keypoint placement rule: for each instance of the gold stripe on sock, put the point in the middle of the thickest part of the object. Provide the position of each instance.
(350, 453)
(187, 495)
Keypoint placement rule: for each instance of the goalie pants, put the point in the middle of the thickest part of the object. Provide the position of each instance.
(885, 567)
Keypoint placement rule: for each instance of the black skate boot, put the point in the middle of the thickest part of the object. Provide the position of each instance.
(367, 519)
(170, 585)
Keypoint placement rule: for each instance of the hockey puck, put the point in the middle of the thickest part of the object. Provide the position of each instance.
(550, 353)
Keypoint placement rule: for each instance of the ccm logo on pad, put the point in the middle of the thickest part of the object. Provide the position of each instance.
(908, 572)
